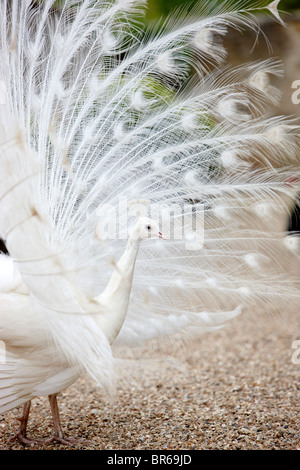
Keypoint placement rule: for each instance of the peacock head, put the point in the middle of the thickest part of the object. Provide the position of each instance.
(145, 228)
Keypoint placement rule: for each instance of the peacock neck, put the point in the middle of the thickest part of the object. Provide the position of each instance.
(127, 261)
(115, 298)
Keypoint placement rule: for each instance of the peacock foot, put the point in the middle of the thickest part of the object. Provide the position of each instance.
(66, 441)
(23, 439)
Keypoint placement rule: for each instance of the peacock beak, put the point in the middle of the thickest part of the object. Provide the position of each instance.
(160, 235)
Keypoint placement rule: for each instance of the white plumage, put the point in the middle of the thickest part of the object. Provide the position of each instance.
(101, 126)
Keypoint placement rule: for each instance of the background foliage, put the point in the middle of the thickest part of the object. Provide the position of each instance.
(159, 8)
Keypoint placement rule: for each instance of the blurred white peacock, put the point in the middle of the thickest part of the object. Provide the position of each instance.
(100, 126)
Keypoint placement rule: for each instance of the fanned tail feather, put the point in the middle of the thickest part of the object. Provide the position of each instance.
(98, 120)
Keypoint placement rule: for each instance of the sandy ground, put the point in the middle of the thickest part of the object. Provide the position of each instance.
(236, 388)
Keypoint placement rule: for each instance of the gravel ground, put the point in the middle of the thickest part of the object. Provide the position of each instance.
(236, 388)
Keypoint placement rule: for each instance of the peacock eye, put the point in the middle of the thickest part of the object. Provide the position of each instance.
(148, 227)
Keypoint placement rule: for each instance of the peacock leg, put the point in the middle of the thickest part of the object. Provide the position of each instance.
(21, 434)
(58, 433)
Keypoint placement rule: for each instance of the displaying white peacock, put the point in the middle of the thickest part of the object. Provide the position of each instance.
(109, 137)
